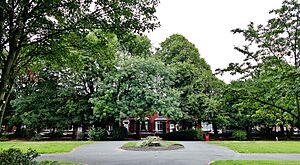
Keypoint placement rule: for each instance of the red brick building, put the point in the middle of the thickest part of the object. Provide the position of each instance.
(152, 125)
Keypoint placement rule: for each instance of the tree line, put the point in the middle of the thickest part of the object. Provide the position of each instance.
(89, 66)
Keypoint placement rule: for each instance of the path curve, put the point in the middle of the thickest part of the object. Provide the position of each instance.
(194, 153)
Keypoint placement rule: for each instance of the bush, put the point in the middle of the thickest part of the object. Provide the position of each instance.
(239, 135)
(184, 135)
(4, 136)
(14, 156)
(37, 137)
(57, 134)
(119, 133)
(97, 134)
(26, 133)
(149, 141)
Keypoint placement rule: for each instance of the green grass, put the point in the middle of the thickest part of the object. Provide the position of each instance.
(256, 162)
(44, 147)
(261, 146)
(129, 145)
(134, 144)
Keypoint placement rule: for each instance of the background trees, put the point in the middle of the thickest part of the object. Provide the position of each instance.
(31, 29)
(194, 78)
(137, 88)
(271, 68)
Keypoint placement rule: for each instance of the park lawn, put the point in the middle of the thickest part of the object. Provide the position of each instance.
(44, 147)
(256, 162)
(261, 146)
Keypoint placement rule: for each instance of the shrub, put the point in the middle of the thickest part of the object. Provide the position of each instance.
(184, 135)
(26, 133)
(239, 135)
(149, 141)
(57, 134)
(4, 136)
(119, 133)
(97, 134)
(37, 137)
(14, 156)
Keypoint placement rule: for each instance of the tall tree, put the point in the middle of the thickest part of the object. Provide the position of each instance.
(274, 47)
(194, 77)
(177, 48)
(40, 104)
(137, 88)
(29, 29)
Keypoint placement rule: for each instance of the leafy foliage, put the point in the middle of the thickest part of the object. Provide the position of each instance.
(33, 29)
(271, 66)
(177, 48)
(138, 88)
(184, 135)
(194, 79)
(16, 157)
(37, 113)
(119, 133)
(239, 135)
(97, 134)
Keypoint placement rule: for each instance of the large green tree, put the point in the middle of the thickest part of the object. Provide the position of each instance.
(39, 104)
(272, 60)
(177, 48)
(194, 78)
(137, 87)
(30, 29)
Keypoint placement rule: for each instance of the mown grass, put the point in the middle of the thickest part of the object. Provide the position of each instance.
(256, 162)
(261, 146)
(44, 147)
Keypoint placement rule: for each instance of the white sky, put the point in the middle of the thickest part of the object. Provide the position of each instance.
(207, 24)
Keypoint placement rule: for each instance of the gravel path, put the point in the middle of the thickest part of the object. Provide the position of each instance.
(194, 153)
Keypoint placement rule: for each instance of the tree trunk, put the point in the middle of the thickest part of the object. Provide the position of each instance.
(282, 130)
(9, 71)
(3, 107)
(215, 129)
(248, 131)
(18, 130)
(75, 131)
(6, 83)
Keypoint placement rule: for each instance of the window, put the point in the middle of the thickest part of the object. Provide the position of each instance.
(172, 127)
(144, 125)
(158, 126)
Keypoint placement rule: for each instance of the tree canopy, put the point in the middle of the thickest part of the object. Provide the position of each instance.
(270, 69)
(33, 29)
(137, 88)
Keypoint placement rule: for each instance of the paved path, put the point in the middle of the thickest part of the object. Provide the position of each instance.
(194, 153)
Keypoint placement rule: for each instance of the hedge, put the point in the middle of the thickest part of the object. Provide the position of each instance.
(184, 135)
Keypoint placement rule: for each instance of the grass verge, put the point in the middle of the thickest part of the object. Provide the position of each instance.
(44, 147)
(255, 162)
(261, 146)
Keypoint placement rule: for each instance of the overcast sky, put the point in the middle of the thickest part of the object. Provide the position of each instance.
(207, 24)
